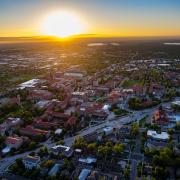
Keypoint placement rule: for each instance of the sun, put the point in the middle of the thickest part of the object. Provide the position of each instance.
(62, 24)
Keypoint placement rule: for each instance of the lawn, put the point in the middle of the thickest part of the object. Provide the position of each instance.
(129, 83)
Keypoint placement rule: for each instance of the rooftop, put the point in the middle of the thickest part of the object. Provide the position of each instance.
(61, 148)
(161, 136)
(30, 83)
(88, 160)
(13, 140)
(176, 103)
(32, 159)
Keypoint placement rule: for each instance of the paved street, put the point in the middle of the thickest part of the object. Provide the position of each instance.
(136, 156)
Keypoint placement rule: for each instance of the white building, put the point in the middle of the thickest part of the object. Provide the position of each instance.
(62, 149)
(107, 130)
(88, 160)
(30, 84)
(163, 136)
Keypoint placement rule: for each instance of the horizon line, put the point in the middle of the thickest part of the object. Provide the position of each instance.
(89, 35)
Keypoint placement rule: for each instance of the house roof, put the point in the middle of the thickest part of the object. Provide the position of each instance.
(71, 121)
(44, 124)
(88, 160)
(13, 140)
(57, 114)
(33, 131)
(32, 159)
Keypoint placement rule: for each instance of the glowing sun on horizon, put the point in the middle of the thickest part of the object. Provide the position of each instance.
(62, 24)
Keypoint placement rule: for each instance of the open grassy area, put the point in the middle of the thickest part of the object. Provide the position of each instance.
(129, 83)
(11, 81)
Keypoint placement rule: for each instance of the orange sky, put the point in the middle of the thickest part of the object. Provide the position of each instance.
(105, 18)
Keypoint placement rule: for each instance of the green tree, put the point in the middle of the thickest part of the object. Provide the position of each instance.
(118, 148)
(80, 142)
(160, 173)
(43, 151)
(134, 129)
(48, 164)
(91, 147)
(103, 151)
(61, 142)
(126, 173)
(32, 145)
(19, 163)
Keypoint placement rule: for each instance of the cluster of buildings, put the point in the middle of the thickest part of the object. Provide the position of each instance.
(71, 100)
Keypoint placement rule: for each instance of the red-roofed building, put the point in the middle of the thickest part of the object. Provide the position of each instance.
(40, 95)
(70, 122)
(92, 109)
(39, 123)
(160, 117)
(53, 114)
(14, 141)
(32, 132)
(101, 90)
(114, 97)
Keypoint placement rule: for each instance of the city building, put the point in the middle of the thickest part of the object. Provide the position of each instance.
(14, 142)
(67, 151)
(31, 162)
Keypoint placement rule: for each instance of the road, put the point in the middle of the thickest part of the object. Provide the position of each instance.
(135, 157)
